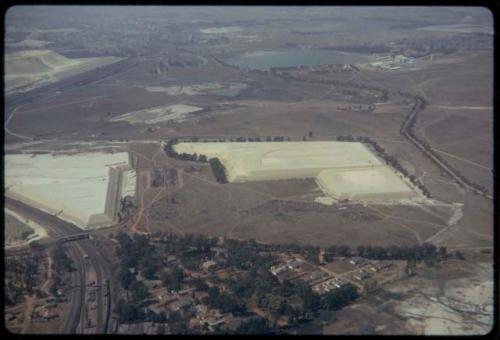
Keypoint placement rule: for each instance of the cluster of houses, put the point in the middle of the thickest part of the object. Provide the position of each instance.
(287, 270)
(329, 285)
(298, 269)
(188, 303)
(322, 280)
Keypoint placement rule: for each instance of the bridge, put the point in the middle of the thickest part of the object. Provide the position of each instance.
(64, 239)
(74, 237)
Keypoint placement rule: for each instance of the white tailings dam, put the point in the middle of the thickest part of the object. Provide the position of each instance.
(83, 188)
(343, 170)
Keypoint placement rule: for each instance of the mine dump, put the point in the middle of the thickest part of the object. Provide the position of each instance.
(84, 188)
(177, 112)
(19, 230)
(25, 70)
(342, 170)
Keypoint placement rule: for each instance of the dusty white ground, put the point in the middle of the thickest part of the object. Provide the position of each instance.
(160, 114)
(343, 170)
(25, 70)
(464, 308)
(39, 231)
(74, 186)
(220, 30)
(197, 89)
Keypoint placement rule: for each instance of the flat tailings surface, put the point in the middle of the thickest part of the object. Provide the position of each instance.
(343, 170)
(82, 188)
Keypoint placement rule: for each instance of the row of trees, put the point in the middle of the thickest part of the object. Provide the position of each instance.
(217, 167)
(383, 94)
(338, 298)
(218, 170)
(408, 128)
(425, 251)
(232, 139)
(393, 252)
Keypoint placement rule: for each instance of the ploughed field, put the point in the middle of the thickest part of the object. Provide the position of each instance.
(343, 170)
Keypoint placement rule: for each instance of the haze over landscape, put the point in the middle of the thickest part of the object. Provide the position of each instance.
(248, 170)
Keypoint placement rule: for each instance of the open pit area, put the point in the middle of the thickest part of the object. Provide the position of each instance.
(343, 170)
(83, 188)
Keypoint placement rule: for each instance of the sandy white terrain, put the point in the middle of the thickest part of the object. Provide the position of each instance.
(463, 306)
(178, 112)
(198, 89)
(75, 187)
(343, 170)
(221, 30)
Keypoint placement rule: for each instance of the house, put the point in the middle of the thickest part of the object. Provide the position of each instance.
(219, 252)
(275, 270)
(357, 261)
(360, 275)
(201, 311)
(316, 275)
(181, 303)
(48, 314)
(209, 265)
(294, 264)
(213, 323)
(171, 259)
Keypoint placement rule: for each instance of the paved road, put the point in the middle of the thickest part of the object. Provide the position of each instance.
(76, 250)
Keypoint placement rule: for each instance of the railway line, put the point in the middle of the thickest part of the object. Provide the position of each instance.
(77, 251)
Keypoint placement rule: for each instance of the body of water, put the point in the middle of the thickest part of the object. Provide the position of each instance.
(268, 59)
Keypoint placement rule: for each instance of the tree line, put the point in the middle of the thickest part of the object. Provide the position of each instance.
(218, 168)
(408, 128)
(389, 160)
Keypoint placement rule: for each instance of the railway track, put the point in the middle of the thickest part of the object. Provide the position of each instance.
(76, 250)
